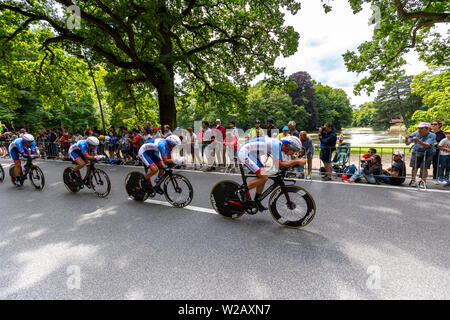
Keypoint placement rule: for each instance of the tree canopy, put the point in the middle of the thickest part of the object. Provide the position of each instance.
(147, 42)
(401, 26)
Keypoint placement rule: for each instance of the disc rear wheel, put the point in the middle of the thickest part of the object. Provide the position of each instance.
(224, 201)
(135, 186)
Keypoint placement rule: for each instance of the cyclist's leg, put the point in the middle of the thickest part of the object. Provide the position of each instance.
(80, 161)
(148, 162)
(14, 152)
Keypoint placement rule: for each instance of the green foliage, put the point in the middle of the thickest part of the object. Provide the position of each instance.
(365, 115)
(332, 106)
(434, 87)
(401, 26)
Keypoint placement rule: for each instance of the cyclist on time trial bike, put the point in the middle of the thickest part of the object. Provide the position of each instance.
(149, 151)
(248, 155)
(24, 146)
(79, 153)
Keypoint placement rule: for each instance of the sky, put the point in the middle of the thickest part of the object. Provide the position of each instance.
(323, 40)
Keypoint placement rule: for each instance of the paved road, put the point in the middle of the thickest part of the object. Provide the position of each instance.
(366, 242)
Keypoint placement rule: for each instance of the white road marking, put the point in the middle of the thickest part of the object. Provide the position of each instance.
(192, 208)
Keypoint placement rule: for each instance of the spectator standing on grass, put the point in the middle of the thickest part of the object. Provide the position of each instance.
(327, 137)
(422, 151)
(396, 174)
(370, 170)
(444, 161)
(436, 126)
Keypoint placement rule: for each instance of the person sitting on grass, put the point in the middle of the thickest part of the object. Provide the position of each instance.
(370, 169)
(396, 174)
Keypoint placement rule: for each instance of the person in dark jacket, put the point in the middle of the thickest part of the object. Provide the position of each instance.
(328, 138)
(370, 170)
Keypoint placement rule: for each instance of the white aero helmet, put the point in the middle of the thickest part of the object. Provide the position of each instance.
(292, 143)
(173, 140)
(28, 137)
(93, 141)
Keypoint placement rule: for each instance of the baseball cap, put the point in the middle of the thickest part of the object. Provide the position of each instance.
(424, 125)
(446, 130)
(257, 121)
(285, 128)
(400, 153)
(366, 156)
(217, 120)
(270, 120)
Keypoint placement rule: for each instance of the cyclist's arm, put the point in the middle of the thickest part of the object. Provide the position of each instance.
(291, 163)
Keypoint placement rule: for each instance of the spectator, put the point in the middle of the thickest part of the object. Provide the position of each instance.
(77, 137)
(422, 151)
(396, 174)
(112, 145)
(96, 132)
(208, 145)
(292, 130)
(22, 132)
(327, 137)
(235, 135)
(444, 158)
(147, 134)
(167, 132)
(223, 140)
(136, 143)
(341, 139)
(256, 131)
(231, 150)
(308, 148)
(272, 131)
(284, 133)
(4, 129)
(370, 169)
(52, 149)
(436, 126)
(156, 134)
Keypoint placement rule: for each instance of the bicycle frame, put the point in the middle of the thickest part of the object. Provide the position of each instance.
(167, 174)
(278, 181)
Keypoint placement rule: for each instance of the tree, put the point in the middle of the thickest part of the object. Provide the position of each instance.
(434, 87)
(394, 99)
(333, 105)
(266, 101)
(365, 115)
(303, 95)
(203, 42)
(401, 26)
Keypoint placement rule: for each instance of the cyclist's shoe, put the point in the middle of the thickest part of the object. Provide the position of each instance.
(243, 195)
(259, 204)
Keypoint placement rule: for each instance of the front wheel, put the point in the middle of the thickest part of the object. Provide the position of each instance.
(2, 173)
(294, 207)
(178, 191)
(224, 200)
(37, 177)
(100, 184)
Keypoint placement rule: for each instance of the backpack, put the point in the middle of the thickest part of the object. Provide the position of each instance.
(350, 170)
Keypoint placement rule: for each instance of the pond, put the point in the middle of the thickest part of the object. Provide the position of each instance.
(368, 136)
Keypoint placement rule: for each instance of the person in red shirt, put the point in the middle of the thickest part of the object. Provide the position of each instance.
(65, 143)
(136, 141)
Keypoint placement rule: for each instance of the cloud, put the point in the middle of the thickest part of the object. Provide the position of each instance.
(323, 40)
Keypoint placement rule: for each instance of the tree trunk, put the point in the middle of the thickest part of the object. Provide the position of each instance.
(166, 99)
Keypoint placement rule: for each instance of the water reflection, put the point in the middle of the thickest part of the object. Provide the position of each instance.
(364, 136)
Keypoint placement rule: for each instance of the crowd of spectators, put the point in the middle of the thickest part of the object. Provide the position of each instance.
(216, 146)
